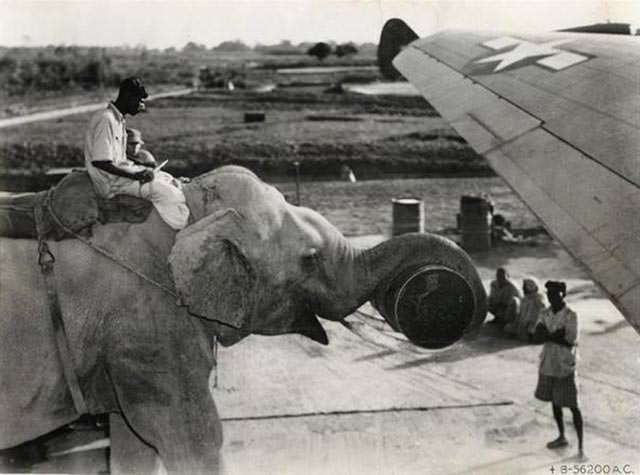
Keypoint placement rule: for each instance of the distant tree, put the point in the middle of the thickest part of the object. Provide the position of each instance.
(8, 64)
(368, 48)
(319, 50)
(345, 49)
(94, 72)
(283, 48)
(286, 47)
(304, 46)
(192, 47)
(170, 50)
(231, 46)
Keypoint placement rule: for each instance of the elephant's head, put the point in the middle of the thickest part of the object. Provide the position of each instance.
(257, 264)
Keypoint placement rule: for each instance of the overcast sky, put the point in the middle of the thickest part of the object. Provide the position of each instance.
(163, 23)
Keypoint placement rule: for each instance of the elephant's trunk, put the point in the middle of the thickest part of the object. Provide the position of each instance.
(424, 285)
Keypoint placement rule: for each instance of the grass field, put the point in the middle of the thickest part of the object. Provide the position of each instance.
(37, 78)
(309, 119)
(376, 136)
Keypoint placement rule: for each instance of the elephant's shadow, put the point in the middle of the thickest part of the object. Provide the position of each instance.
(487, 339)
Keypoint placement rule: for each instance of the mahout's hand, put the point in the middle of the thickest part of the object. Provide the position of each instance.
(144, 176)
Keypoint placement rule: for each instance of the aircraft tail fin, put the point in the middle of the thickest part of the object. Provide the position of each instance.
(395, 35)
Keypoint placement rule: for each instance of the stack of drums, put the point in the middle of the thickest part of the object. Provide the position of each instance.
(475, 223)
(408, 216)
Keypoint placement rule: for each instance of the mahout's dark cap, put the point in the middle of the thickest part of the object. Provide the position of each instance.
(133, 85)
(556, 286)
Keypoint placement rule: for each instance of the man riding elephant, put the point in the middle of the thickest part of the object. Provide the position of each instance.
(113, 173)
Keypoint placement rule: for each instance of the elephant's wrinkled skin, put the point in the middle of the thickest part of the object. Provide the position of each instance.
(249, 263)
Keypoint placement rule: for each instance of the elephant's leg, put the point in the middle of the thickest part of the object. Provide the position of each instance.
(186, 431)
(163, 395)
(128, 453)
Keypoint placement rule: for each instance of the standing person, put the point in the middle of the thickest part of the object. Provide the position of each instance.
(504, 298)
(558, 329)
(136, 153)
(113, 173)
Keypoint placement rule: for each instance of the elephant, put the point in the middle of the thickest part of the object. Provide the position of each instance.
(142, 304)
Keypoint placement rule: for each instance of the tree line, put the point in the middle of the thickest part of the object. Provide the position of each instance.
(64, 68)
(25, 69)
(68, 68)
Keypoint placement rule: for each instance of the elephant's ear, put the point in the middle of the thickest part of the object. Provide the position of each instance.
(212, 275)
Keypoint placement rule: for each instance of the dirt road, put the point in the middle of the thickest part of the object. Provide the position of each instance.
(55, 114)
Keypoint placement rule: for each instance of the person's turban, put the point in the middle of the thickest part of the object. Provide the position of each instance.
(530, 285)
(556, 286)
(133, 85)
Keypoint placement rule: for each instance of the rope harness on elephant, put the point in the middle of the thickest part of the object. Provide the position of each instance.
(46, 260)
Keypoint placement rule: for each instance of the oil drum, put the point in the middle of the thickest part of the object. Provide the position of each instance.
(431, 305)
(408, 216)
(475, 223)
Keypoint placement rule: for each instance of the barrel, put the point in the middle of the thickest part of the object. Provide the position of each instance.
(408, 216)
(432, 305)
(475, 223)
(254, 117)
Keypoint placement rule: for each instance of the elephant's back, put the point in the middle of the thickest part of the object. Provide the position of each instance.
(234, 170)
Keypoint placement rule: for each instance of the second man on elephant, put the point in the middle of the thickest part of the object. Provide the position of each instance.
(136, 153)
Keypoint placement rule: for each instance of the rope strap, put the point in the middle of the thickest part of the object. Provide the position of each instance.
(45, 261)
(126, 266)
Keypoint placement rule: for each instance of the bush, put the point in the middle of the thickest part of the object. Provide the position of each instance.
(319, 50)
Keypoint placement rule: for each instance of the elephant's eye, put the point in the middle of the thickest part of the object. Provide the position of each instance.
(311, 260)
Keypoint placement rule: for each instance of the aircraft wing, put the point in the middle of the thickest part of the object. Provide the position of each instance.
(558, 117)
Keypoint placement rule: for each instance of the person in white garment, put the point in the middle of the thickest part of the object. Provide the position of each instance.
(136, 153)
(113, 173)
(558, 328)
(532, 303)
(504, 298)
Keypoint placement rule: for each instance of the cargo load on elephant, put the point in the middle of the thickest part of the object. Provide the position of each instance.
(71, 207)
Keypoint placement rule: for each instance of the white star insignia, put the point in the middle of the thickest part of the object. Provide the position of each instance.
(551, 57)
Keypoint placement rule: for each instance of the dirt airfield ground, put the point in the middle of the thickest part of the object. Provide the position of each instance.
(370, 403)
(379, 405)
